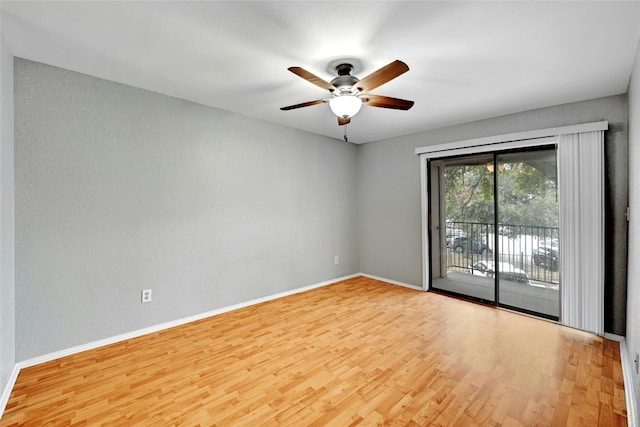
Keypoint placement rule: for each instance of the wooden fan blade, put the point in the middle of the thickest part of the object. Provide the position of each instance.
(312, 78)
(304, 104)
(386, 102)
(343, 121)
(382, 76)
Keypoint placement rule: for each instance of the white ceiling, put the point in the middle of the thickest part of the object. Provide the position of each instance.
(468, 60)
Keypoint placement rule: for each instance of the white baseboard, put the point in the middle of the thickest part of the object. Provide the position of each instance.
(393, 282)
(613, 337)
(6, 393)
(4, 399)
(629, 391)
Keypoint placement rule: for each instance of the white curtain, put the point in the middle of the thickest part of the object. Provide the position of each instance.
(581, 184)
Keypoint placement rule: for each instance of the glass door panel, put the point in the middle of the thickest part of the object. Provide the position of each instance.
(528, 245)
(464, 213)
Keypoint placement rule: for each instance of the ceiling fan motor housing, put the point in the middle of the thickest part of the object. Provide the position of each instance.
(345, 81)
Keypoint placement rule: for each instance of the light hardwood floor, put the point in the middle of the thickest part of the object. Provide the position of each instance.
(359, 352)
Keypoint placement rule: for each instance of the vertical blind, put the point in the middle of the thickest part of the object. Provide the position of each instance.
(581, 183)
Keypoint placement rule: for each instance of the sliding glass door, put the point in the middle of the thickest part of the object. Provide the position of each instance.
(494, 234)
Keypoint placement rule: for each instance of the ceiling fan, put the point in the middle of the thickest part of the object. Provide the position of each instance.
(348, 93)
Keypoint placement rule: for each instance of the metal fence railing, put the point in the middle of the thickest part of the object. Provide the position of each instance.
(532, 249)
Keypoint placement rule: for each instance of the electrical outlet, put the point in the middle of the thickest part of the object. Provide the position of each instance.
(336, 260)
(145, 295)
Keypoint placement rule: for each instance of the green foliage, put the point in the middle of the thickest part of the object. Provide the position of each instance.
(526, 195)
(469, 193)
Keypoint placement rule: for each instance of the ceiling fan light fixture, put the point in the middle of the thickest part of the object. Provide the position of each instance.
(345, 106)
(348, 93)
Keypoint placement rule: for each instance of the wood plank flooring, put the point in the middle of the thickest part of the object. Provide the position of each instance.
(358, 352)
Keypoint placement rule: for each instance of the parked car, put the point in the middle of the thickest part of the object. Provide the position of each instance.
(546, 256)
(506, 271)
(461, 244)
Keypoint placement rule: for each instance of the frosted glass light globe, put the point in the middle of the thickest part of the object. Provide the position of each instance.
(345, 106)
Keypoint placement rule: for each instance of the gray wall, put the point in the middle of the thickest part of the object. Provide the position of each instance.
(7, 284)
(633, 299)
(118, 189)
(389, 193)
